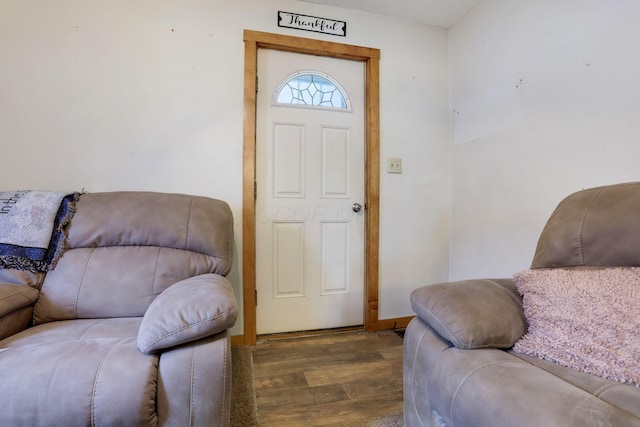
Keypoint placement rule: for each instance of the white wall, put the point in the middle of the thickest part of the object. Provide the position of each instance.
(545, 100)
(141, 95)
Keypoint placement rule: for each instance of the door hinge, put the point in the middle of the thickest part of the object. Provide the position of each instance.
(256, 84)
(255, 190)
(256, 295)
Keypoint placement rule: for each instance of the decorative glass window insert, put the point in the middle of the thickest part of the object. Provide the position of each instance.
(312, 89)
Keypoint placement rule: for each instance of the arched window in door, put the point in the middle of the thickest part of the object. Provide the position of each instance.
(312, 89)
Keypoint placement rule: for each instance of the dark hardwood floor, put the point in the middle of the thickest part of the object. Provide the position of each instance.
(338, 379)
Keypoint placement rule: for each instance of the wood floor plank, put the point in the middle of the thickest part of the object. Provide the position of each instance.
(289, 380)
(300, 397)
(344, 413)
(320, 345)
(330, 380)
(391, 352)
(355, 372)
(288, 360)
(388, 388)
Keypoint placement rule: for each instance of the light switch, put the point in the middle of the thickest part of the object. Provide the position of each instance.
(394, 165)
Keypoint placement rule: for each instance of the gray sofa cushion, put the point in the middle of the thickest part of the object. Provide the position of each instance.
(490, 387)
(86, 329)
(98, 382)
(191, 223)
(125, 248)
(597, 226)
(473, 313)
(187, 311)
(623, 396)
(83, 286)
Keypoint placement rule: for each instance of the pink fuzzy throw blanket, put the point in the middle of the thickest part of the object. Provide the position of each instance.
(584, 318)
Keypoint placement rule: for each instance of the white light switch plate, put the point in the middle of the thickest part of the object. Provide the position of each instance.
(394, 165)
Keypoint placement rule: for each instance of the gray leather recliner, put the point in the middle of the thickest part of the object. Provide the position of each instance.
(130, 328)
(459, 365)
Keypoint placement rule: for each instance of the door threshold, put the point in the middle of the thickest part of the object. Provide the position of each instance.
(300, 334)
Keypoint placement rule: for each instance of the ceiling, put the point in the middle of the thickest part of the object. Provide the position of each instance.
(441, 13)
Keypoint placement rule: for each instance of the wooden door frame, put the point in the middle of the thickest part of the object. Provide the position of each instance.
(254, 40)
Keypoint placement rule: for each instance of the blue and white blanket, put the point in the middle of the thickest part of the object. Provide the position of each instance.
(32, 228)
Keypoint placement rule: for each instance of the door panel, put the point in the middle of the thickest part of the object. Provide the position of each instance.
(288, 264)
(336, 168)
(288, 160)
(309, 172)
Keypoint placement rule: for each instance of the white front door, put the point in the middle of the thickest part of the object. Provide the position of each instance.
(309, 176)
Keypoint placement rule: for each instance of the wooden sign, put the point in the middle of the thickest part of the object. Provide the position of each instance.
(312, 23)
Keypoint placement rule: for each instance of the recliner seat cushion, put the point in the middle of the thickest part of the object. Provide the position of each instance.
(51, 332)
(623, 396)
(98, 382)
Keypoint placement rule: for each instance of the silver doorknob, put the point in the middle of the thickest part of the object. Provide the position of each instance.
(357, 207)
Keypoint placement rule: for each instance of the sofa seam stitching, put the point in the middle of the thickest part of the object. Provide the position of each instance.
(21, 293)
(84, 272)
(191, 400)
(415, 357)
(17, 293)
(493, 282)
(192, 325)
(437, 319)
(186, 243)
(584, 217)
(155, 276)
(596, 393)
(89, 327)
(462, 383)
(601, 390)
(95, 384)
(224, 384)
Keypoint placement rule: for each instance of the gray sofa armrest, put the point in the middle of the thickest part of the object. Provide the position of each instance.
(194, 380)
(16, 308)
(14, 297)
(187, 311)
(473, 313)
